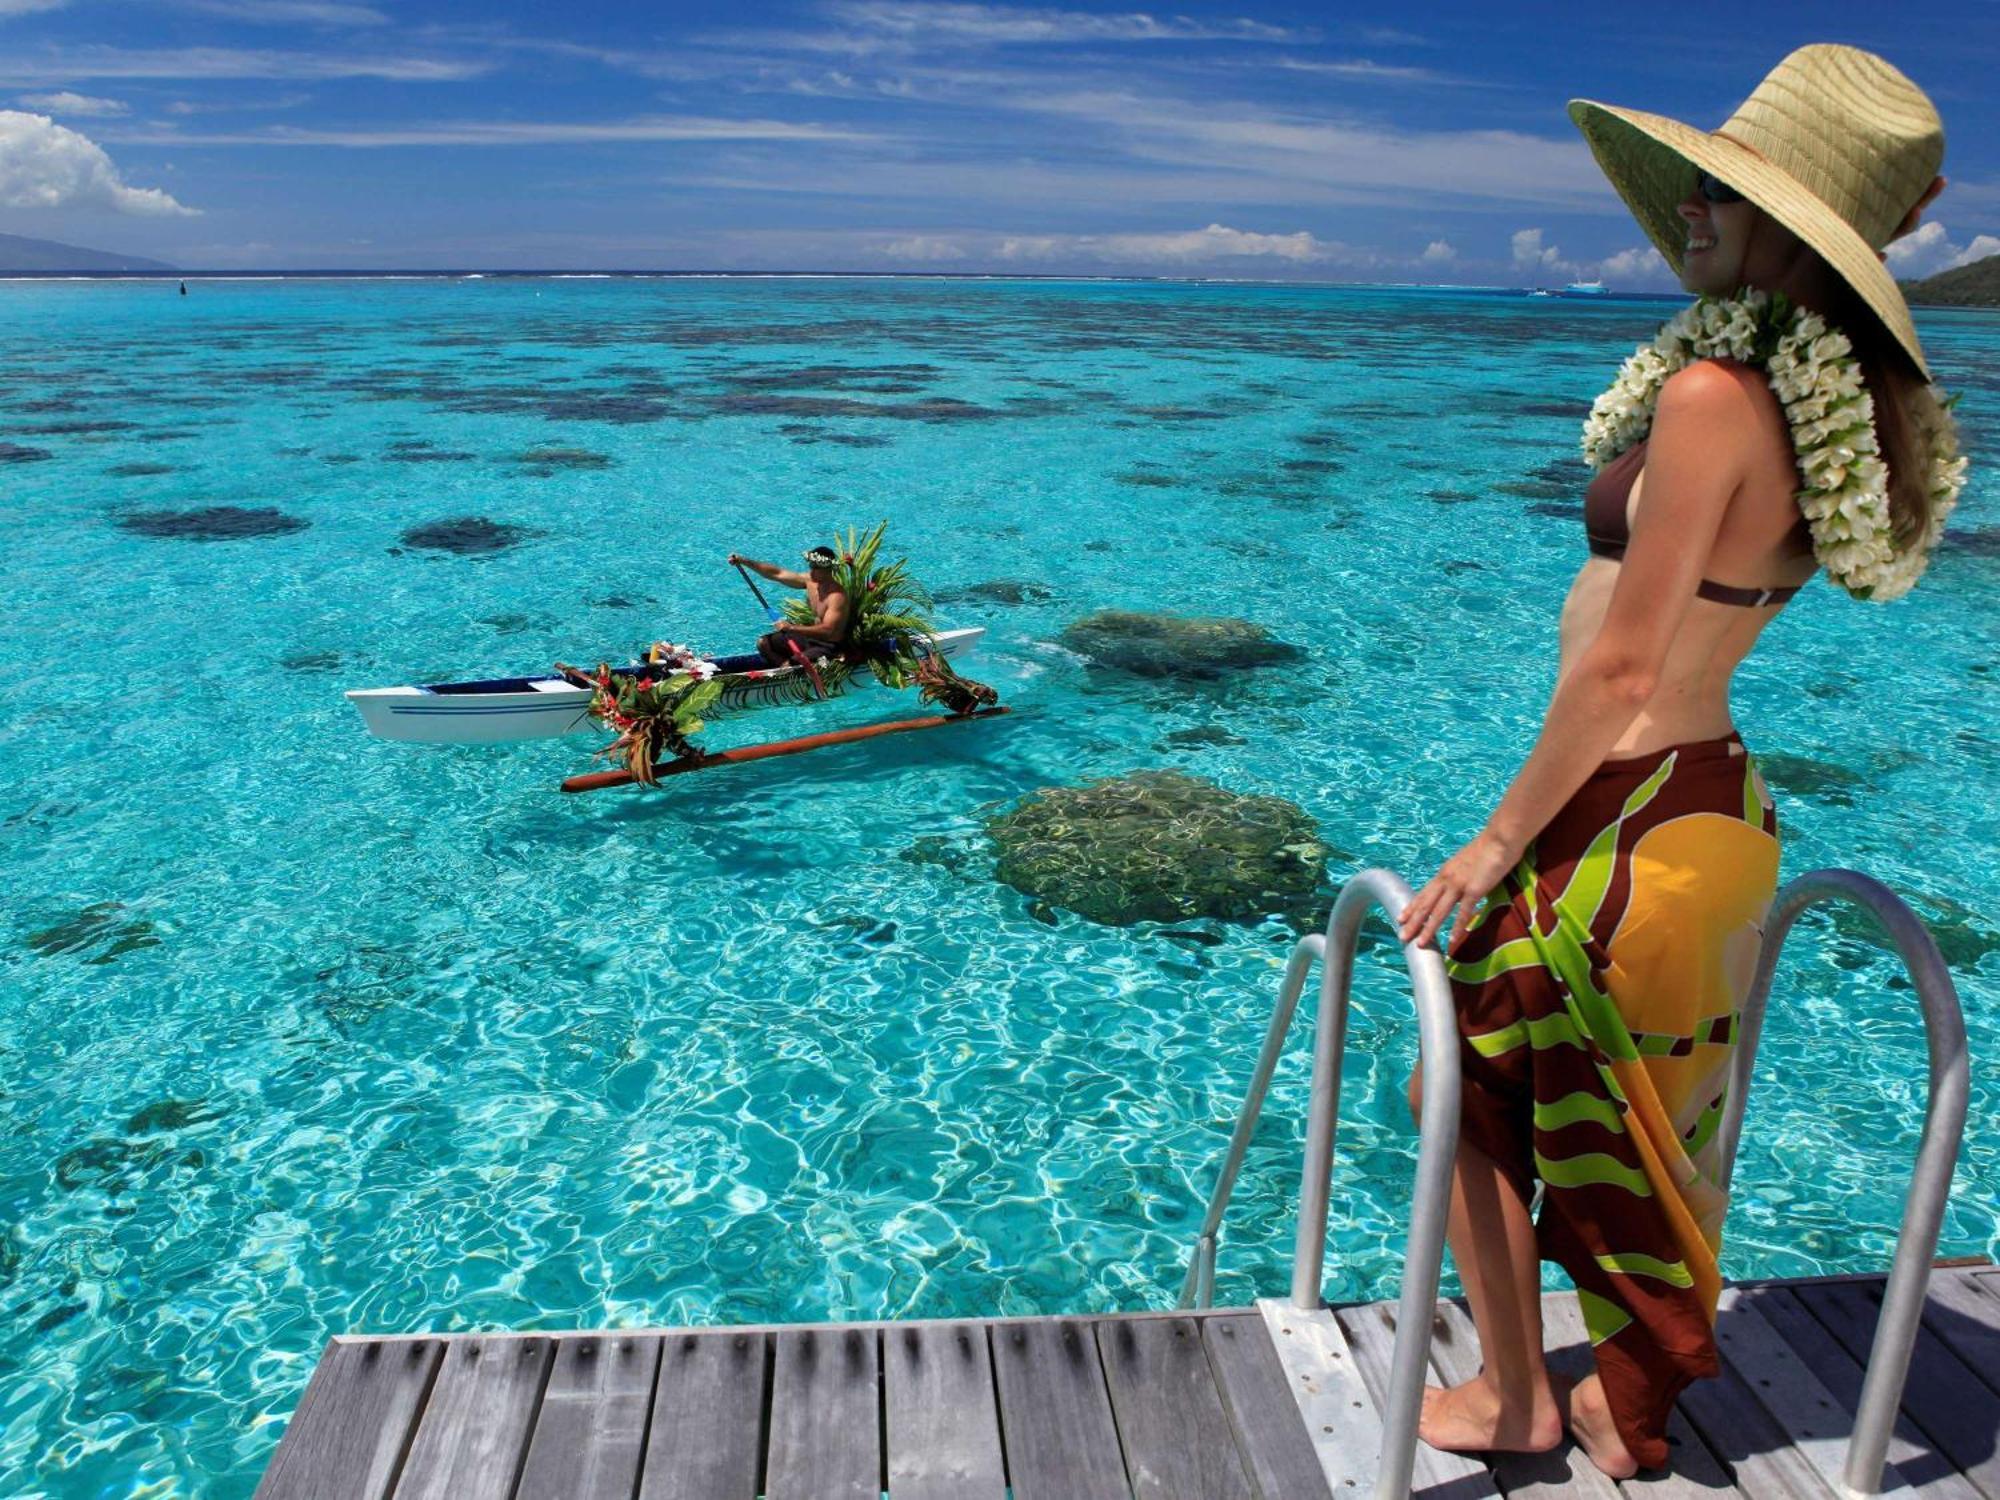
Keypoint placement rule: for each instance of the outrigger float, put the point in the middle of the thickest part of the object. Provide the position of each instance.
(654, 707)
(597, 781)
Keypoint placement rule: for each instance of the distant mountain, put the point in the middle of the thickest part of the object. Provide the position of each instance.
(21, 254)
(1976, 285)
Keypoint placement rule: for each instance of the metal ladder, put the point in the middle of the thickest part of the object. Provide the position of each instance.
(1319, 1366)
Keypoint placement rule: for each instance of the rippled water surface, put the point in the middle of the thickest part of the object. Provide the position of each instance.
(302, 1032)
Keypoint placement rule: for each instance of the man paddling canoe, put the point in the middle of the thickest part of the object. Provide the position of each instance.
(787, 643)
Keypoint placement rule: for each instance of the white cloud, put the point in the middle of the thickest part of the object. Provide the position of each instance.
(1982, 246)
(187, 107)
(67, 103)
(509, 133)
(1308, 151)
(1919, 252)
(64, 65)
(1531, 256)
(23, 7)
(924, 247)
(1361, 69)
(1212, 243)
(1216, 242)
(1438, 253)
(902, 28)
(989, 24)
(1387, 36)
(46, 165)
(1638, 268)
(291, 12)
(1928, 249)
(1150, 144)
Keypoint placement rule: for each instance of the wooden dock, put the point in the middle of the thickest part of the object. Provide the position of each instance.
(1161, 1406)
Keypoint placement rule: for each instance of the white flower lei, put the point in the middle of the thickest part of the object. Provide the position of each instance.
(1813, 372)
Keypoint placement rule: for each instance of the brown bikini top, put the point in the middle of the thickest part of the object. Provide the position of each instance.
(1604, 524)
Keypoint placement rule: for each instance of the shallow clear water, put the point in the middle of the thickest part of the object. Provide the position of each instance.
(302, 1032)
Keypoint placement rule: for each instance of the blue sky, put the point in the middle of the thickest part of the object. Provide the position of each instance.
(1357, 143)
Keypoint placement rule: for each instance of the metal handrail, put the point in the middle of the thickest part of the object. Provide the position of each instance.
(1437, 1144)
(1937, 1152)
(1923, 1214)
(1198, 1286)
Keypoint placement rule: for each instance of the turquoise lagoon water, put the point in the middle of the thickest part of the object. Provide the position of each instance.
(302, 1032)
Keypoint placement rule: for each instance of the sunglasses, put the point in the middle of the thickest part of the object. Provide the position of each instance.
(1715, 190)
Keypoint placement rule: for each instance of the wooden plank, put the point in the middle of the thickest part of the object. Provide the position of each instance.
(1438, 1475)
(474, 1431)
(706, 1441)
(1929, 1472)
(1967, 1319)
(591, 1430)
(1176, 1437)
(1055, 1415)
(1270, 1435)
(1324, 1378)
(1812, 1418)
(1748, 1439)
(826, 1417)
(1692, 1471)
(943, 1420)
(1563, 1470)
(347, 1438)
(1942, 1396)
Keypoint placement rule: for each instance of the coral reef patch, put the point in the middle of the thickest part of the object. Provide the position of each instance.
(1802, 776)
(541, 463)
(998, 591)
(101, 926)
(1156, 645)
(1158, 846)
(212, 523)
(466, 536)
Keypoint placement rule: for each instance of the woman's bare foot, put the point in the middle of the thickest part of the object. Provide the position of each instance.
(1474, 1418)
(1588, 1417)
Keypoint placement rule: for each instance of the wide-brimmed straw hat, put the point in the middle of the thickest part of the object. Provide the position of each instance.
(1835, 144)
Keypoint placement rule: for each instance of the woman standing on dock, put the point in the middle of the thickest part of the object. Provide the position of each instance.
(1609, 914)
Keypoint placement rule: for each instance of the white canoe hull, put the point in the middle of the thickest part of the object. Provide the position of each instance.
(546, 708)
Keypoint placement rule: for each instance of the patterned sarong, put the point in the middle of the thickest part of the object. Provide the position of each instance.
(1598, 991)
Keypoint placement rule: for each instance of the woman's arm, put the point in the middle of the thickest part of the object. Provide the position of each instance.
(1705, 434)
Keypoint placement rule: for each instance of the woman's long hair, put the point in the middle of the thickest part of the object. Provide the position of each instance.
(1905, 408)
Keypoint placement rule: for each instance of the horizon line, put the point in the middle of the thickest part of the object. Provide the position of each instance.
(557, 273)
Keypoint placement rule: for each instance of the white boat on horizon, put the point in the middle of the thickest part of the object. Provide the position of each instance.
(501, 710)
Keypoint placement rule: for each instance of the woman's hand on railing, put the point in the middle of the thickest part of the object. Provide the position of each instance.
(1462, 883)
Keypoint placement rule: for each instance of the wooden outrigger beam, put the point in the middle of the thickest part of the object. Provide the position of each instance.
(594, 781)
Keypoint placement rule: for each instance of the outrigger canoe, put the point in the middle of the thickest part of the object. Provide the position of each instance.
(503, 709)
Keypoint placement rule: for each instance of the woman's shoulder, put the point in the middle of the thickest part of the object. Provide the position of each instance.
(1722, 385)
(1713, 397)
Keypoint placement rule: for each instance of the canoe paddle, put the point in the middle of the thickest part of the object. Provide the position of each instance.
(798, 652)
